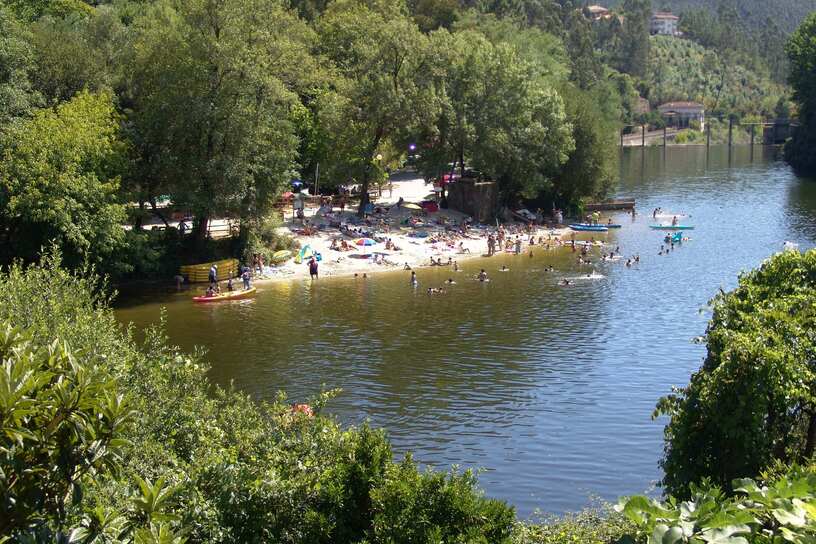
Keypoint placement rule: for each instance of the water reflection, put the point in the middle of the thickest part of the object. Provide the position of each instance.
(549, 388)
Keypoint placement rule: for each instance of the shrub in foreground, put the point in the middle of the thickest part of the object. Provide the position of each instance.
(107, 439)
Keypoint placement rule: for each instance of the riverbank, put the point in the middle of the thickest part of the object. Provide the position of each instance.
(397, 237)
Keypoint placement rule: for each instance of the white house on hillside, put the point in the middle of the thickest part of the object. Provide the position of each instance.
(597, 13)
(682, 114)
(664, 23)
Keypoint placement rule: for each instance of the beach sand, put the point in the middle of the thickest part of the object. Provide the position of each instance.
(415, 244)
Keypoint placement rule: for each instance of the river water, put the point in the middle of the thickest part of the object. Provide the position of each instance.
(549, 389)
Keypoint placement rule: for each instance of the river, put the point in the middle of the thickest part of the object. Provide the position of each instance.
(549, 389)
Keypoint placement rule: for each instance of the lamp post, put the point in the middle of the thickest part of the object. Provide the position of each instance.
(379, 164)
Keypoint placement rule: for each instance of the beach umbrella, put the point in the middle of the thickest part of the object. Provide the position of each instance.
(365, 242)
(411, 206)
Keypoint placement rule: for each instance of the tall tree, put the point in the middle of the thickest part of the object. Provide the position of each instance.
(801, 51)
(752, 402)
(385, 87)
(633, 55)
(16, 69)
(500, 116)
(59, 182)
(212, 86)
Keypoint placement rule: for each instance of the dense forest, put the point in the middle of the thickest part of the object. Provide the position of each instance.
(213, 107)
(787, 14)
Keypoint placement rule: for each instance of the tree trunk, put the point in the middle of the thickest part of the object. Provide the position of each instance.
(137, 225)
(156, 211)
(364, 200)
(811, 436)
(202, 222)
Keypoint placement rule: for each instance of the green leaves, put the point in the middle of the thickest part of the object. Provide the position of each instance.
(752, 402)
(801, 50)
(59, 416)
(59, 177)
(784, 511)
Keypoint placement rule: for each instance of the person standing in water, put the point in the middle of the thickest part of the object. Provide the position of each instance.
(482, 275)
(414, 281)
(313, 268)
(213, 275)
(246, 277)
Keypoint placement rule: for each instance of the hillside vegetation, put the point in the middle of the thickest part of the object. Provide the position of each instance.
(683, 70)
(785, 13)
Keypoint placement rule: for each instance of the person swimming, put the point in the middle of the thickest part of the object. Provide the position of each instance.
(628, 262)
(504, 268)
(565, 281)
(450, 281)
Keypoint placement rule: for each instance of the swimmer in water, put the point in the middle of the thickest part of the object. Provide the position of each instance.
(482, 275)
(504, 269)
(450, 281)
(455, 266)
(628, 262)
(565, 281)
(414, 280)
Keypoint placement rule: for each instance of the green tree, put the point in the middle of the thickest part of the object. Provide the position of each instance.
(59, 181)
(213, 123)
(88, 57)
(801, 50)
(500, 116)
(592, 165)
(753, 401)
(633, 55)
(16, 69)
(385, 87)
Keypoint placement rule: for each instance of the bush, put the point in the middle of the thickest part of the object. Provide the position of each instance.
(751, 402)
(784, 511)
(226, 468)
(600, 525)
(263, 237)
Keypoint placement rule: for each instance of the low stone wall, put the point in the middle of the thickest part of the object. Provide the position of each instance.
(478, 199)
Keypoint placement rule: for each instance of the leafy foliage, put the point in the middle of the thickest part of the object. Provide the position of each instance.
(62, 419)
(752, 401)
(211, 465)
(384, 88)
(682, 70)
(212, 124)
(59, 179)
(801, 50)
(16, 68)
(495, 106)
(784, 511)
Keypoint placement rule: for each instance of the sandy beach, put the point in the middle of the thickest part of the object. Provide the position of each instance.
(417, 237)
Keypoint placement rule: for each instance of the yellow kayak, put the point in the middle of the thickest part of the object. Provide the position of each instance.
(280, 256)
(200, 273)
(229, 295)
